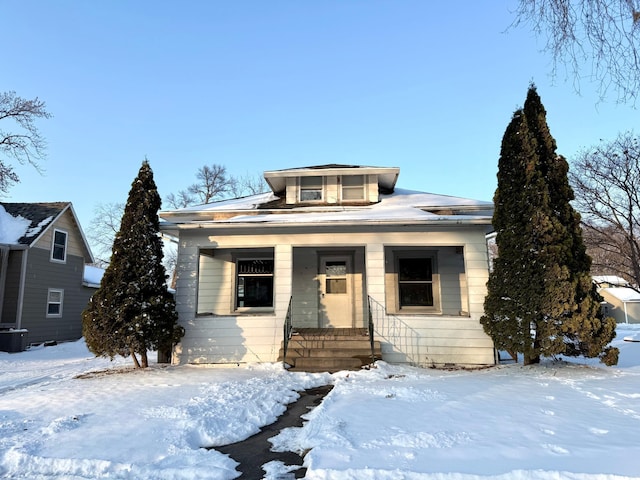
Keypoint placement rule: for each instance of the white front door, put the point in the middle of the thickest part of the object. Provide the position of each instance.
(336, 292)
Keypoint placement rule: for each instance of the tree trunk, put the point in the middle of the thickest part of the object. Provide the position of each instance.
(135, 358)
(144, 359)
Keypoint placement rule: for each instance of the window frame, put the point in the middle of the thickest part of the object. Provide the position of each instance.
(352, 188)
(59, 303)
(236, 307)
(55, 246)
(431, 255)
(302, 188)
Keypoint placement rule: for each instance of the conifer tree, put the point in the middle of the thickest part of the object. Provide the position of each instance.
(540, 299)
(132, 311)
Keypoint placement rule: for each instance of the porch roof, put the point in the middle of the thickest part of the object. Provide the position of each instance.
(400, 207)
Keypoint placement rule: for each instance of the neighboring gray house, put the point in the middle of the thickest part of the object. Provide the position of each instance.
(621, 300)
(43, 253)
(328, 250)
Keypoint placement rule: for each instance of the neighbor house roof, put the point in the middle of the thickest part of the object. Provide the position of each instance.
(624, 294)
(27, 222)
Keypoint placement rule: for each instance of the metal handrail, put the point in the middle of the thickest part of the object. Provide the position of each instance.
(288, 330)
(371, 330)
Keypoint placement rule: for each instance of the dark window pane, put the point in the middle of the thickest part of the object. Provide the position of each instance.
(53, 309)
(415, 269)
(416, 295)
(255, 292)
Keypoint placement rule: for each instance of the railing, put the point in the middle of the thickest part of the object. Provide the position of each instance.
(371, 332)
(288, 330)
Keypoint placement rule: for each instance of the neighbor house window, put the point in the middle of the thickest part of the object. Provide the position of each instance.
(54, 302)
(59, 247)
(353, 187)
(254, 282)
(310, 189)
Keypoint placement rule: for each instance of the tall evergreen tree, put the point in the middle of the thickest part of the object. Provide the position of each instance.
(132, 311)
(540, 299)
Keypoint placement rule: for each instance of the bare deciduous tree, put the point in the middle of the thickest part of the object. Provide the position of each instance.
(24, 145)
(247, 185)
(606, 184)
(604, 34)
(103, 228)
(212, 183)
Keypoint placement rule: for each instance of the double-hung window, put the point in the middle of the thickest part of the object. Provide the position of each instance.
(54, 302)
(254, 283)
(353, 187)
(59, 246)
(311, 189)
(415, 282)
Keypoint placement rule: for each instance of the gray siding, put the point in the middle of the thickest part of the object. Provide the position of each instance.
(12, 288)
(41, 275)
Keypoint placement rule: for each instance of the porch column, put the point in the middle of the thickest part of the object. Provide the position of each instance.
(283, 259)
(374, 261)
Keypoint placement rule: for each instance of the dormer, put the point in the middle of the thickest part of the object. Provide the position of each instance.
(332, 184)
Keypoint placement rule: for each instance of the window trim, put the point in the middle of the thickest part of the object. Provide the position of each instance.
(54, 244)
(234, 294)
(60, 303)
(302, 188)
(435, 282)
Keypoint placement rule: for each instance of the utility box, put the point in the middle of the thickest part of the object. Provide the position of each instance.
(13, 341)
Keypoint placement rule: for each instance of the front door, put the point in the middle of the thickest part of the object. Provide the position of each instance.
(336, 296)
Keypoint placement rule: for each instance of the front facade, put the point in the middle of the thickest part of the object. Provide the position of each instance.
(42, 268)
(333, 247)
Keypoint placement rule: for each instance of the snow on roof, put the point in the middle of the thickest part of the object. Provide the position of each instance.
(610, 279)
(12, 228)
(401, 205)
(624, 294)
(29, 219)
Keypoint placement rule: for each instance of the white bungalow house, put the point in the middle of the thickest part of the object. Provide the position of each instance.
(330, 251)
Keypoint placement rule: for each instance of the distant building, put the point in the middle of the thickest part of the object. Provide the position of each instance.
(44, 281)
(621, 300)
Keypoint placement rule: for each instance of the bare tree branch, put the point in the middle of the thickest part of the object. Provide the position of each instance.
(606, 184)
(26, 145)
(603, 34)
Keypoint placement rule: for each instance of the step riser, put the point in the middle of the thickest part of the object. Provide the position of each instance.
(336, 344)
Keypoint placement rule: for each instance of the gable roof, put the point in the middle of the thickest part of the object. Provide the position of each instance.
(40, 216)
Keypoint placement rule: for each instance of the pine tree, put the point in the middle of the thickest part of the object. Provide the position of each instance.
(132, 311)
(540, 299)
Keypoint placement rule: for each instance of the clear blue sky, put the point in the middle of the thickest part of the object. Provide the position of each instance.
(260, 85)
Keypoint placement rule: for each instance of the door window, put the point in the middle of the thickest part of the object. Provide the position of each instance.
(336, 276)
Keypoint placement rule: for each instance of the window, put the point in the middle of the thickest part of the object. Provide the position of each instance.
(310, 189)
(353, 187)
(54, 302)
(415, 282)
(412, 282)
(59, 247)
(254, 283)
(336, 276)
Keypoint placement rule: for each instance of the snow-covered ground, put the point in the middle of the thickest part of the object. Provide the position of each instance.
(67, 415)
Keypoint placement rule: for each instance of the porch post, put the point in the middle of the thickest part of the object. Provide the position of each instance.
(283, 256)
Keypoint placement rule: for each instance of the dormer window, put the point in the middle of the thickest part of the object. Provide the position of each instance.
(353, 187)
(310, 189)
